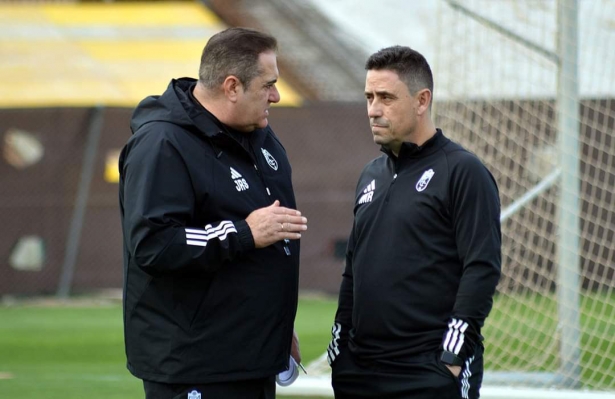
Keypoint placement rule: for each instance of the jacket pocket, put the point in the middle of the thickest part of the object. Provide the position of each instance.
(445, 370)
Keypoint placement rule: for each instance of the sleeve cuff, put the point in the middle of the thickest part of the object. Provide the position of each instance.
(246, 240)
(459, 339)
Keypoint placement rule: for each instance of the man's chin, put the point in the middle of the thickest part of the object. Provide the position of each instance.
(261, 125)
(378, 140)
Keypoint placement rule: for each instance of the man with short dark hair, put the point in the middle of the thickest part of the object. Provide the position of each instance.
(424, 254)
(211, 233)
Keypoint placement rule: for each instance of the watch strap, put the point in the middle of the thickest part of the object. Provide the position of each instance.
(451, 359)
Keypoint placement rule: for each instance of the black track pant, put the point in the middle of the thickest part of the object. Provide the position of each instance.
(263, 388)
(423, 377)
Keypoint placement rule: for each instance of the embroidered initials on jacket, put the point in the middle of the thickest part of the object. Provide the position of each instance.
(240, 183)
(368, 193)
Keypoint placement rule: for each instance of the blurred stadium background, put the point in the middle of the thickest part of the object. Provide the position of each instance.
(528, 85)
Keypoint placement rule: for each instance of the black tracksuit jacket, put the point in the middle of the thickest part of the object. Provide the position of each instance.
(201, 303)
(424, 255)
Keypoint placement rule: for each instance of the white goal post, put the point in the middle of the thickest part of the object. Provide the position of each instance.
(521, 85)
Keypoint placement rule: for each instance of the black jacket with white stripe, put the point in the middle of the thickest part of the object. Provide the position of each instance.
(201, 303)
(424, 255)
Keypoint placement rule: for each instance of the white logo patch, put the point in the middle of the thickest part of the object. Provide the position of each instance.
(270, 159)
(368, 193)
(424, 180)
(194, 395)
(240, 184)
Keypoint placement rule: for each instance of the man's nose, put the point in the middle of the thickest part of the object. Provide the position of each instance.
(274, 95)
(374, 110)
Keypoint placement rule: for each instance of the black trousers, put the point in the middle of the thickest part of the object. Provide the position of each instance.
(423, 377)
(263, 388)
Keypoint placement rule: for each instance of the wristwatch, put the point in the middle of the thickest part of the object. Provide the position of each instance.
(451, 359)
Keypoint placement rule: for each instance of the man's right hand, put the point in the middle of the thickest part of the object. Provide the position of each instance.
(275, 223)
(455, 370)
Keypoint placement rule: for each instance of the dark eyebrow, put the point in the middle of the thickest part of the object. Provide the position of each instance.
(271, 82)
(381, 93)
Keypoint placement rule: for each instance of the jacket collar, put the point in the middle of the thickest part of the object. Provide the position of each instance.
(411, 150)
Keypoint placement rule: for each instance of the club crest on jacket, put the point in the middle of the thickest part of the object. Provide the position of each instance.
(424, 180)
(270, 159)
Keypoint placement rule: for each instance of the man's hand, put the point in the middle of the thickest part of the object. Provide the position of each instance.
(456, 370)
(275, 223)
(295, 352)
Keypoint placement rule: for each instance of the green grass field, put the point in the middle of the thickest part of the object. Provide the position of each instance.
(72, 352)
(51, 351)
(528, 327)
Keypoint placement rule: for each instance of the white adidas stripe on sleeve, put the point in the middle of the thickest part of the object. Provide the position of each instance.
(200, 238)
(455, 336)
(333, 349)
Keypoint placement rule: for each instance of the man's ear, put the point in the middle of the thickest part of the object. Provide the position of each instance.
(231, 86)
(424, 100)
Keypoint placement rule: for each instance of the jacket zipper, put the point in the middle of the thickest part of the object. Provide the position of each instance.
(396, 162)
(285, 246)
(260, 176)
